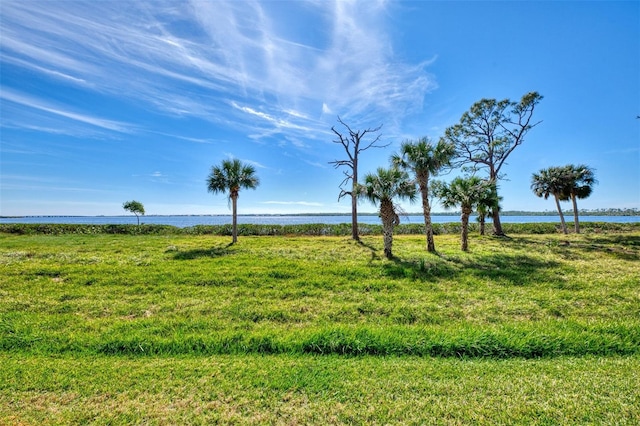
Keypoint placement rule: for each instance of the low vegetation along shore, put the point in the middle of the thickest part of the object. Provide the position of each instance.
(184, 328)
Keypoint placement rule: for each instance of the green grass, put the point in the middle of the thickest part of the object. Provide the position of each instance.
(174, 329)
(254, 389)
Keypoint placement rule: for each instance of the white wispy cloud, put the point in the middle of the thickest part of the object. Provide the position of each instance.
(197, 58)
(186, 138)
(42, 105)
(49, 184)
(315, 164)
(44, 70)
(27, 124)
(294, 203)
(254, 163)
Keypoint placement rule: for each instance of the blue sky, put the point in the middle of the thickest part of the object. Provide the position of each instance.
(107, 101)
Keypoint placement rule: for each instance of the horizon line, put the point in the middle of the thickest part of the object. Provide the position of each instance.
(633, 210)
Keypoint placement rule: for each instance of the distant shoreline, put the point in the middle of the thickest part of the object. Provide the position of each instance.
(608, 212)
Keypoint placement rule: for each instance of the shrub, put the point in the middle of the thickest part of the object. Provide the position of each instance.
(310, 229)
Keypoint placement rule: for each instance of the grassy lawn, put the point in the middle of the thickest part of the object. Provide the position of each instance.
(174, 329)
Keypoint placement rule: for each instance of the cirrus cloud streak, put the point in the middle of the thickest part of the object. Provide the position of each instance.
(199, 58)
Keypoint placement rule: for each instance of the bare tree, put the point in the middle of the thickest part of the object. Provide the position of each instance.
(354, 142)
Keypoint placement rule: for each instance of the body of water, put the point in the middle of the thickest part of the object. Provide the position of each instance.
(185, 221)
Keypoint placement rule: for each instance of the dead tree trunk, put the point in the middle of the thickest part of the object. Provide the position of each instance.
(353, 142)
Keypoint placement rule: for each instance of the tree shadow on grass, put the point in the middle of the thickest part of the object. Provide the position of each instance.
(424, 269)
(622, 240)
(623, 247)
(516, 270)
(212, 252)
(372, 249)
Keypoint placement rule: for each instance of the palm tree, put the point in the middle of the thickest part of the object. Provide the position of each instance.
(466, 193)
(579, 184)
(489, 204)
(424, 160)
(232, 176)
(382, 188)
(552, 181)
(483, 213)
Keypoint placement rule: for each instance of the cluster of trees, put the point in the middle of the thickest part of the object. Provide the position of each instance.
(480, 143)
(568, 182)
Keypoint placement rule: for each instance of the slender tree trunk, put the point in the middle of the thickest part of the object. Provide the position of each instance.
(138, 217)
(576, 221)
(387, 215)
(426, 210)
(497, 225)
(354, 218)
(464, 233)
(564, 225)
(482, 224)
(495, 211)
(234, 226)
(354, 202)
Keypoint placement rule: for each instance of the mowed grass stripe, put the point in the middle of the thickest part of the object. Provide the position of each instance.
(286, 389)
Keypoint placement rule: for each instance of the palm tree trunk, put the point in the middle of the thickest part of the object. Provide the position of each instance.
(234, 226)
(387, 215)
(576, 221)
(426, 210)
(482, 223)
(464, 233)
(564, 225)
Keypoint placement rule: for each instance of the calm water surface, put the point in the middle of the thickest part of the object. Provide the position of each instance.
(185, 221)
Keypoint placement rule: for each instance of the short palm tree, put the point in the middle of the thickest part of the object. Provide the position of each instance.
(552, 181)
(489, 204)
(424, 160)
(381, 188)
(483, 213)
(231, 176)
(466, 193)
(579, 180)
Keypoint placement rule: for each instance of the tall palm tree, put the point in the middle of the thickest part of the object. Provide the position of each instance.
(466, 193)
(382, 188)
(424, 160)
(552, 181)
(579, 184)
(231, 176)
